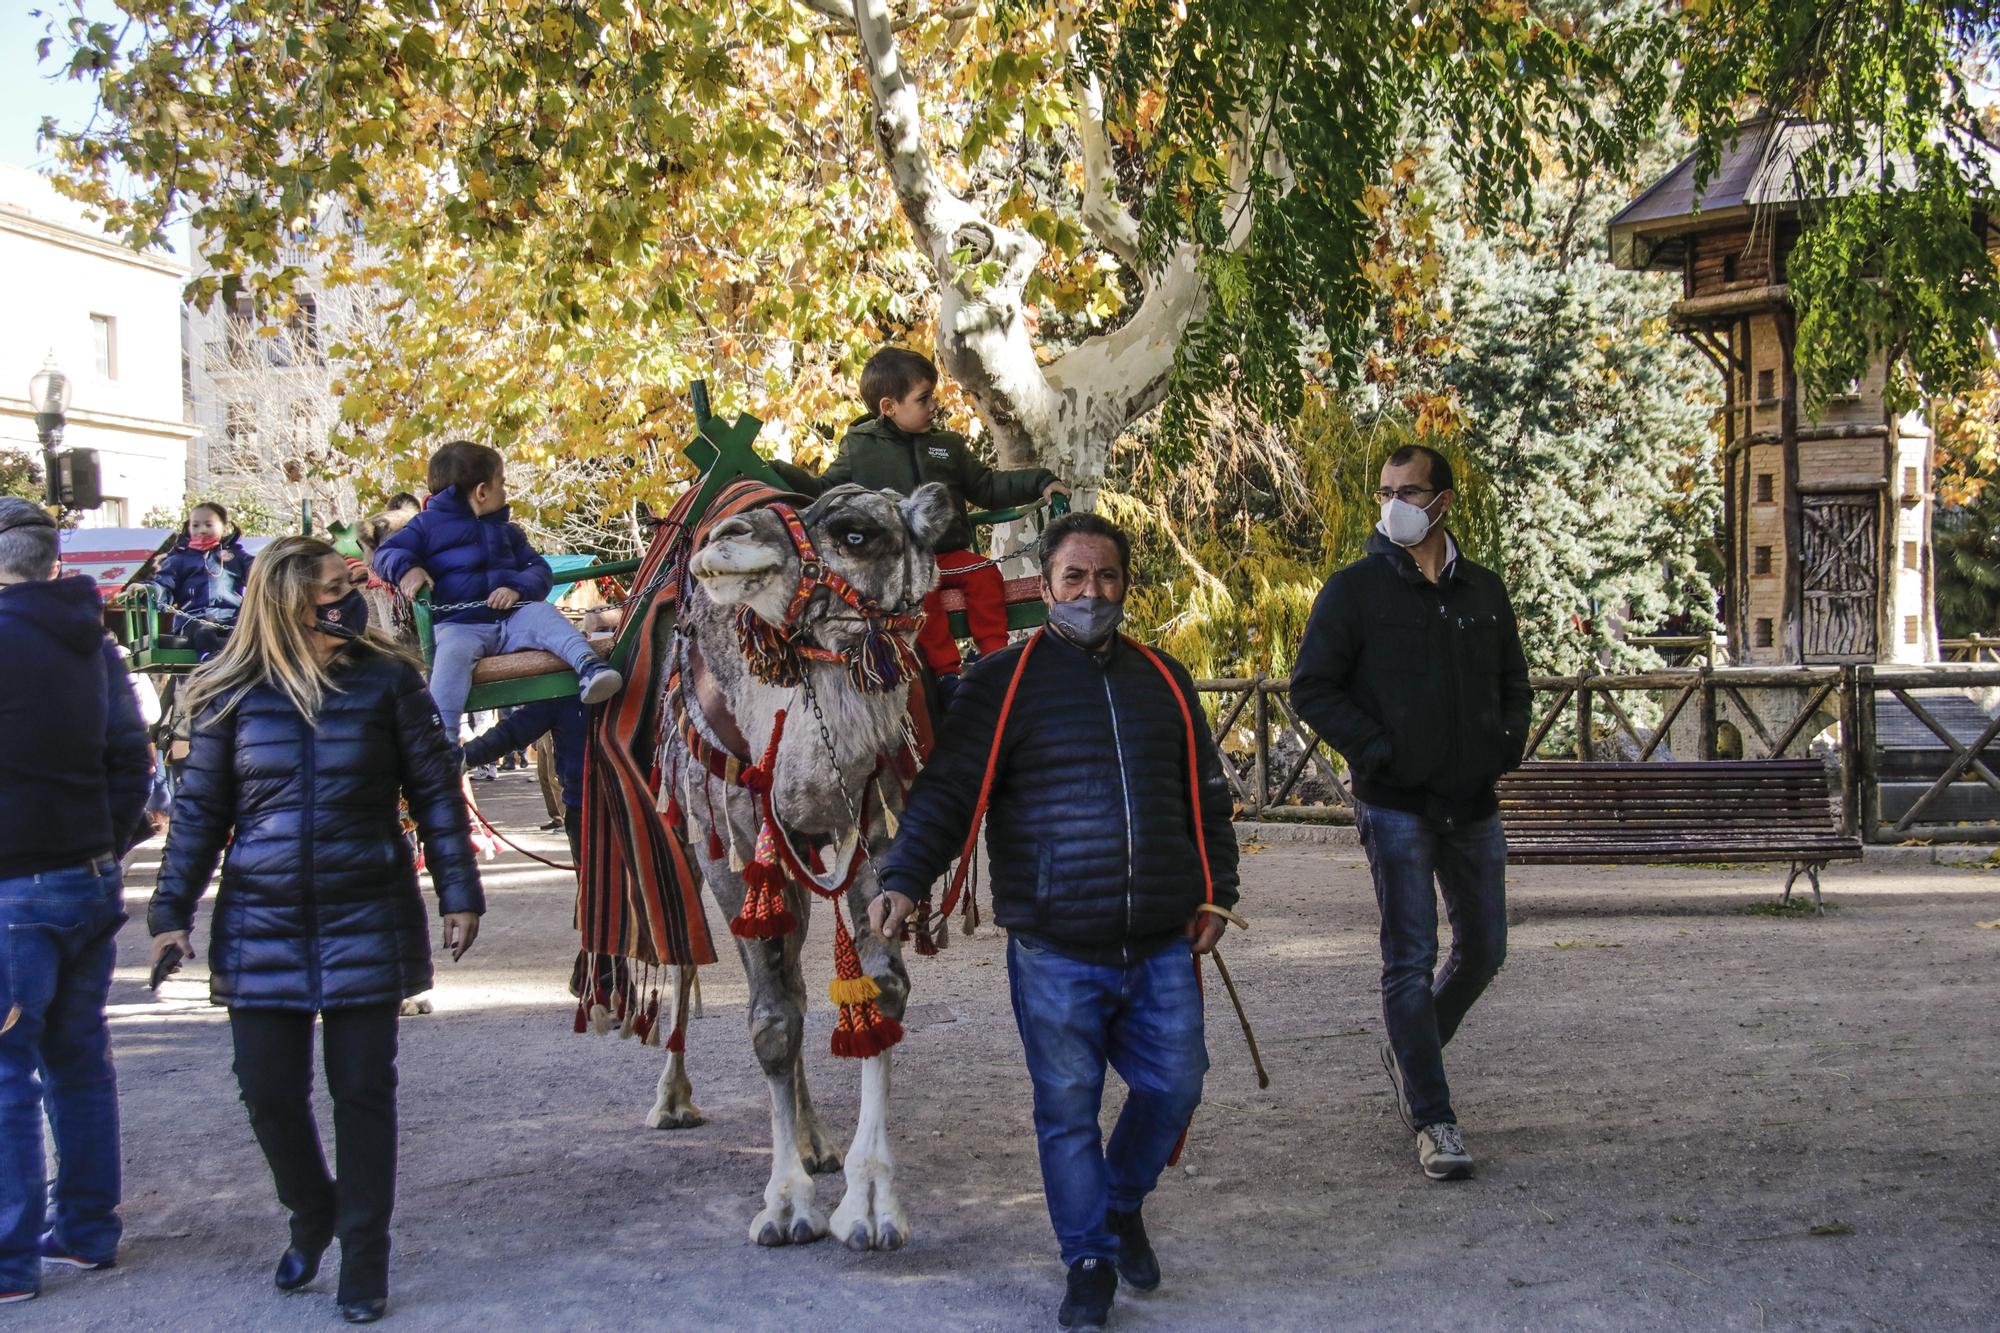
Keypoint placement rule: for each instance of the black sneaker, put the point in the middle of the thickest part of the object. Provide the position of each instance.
(1087, 1303)
(1137, 1263)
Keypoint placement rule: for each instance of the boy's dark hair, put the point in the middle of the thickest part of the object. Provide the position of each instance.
(463, 464)
(892, 373)
(404, 500)
(1083, 525)
(1440, 470)
(221, 514)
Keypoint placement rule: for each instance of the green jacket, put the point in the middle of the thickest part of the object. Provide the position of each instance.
(877, 455)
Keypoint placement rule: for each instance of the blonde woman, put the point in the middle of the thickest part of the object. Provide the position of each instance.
(308, 726)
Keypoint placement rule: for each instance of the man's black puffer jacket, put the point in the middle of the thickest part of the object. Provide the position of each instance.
(319, 906)
(1088, 828)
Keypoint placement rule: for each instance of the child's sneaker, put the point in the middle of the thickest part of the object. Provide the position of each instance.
(16, 1297)
(598, 683)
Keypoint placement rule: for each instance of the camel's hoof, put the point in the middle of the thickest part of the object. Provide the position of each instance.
(789, 1222)
(858, 1238)
(890, 1239)
(686, 1117)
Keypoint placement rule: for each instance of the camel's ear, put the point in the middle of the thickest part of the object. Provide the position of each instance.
(928, 514)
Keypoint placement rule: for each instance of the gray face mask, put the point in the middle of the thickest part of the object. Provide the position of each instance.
(1088, 622)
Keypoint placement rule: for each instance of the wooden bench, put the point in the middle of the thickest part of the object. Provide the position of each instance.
(1025, 608)
(1768, 810)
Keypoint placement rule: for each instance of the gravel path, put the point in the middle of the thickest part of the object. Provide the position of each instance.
(1686, 1117)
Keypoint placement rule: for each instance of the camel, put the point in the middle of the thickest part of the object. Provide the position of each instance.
(762, 634)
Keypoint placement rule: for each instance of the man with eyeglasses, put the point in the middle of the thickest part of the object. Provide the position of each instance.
(1412, 668)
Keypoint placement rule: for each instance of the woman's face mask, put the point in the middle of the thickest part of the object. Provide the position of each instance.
(344, 619)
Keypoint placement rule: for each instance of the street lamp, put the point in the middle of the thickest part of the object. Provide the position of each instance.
(48, 394)
(71, 473)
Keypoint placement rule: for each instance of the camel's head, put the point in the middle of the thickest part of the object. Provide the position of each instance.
(881, 543)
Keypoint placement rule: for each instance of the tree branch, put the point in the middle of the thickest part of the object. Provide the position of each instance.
(934, 210)
(1109, 220)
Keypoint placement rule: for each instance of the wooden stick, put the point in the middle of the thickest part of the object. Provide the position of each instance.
(1256, 1058)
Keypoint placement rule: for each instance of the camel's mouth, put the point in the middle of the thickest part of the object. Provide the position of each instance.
(733, 560)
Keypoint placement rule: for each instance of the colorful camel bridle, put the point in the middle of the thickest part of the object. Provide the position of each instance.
(777, 654)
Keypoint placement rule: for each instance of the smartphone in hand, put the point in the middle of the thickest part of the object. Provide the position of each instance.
(170, 963)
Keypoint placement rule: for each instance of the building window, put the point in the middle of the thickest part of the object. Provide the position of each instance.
(104, 341)
(1760, 560)
(1910, 560)
(1909, 629)
(1765, 637)
(1767, 385)
(1729, 268)
(1910, 486)
(1766, 487)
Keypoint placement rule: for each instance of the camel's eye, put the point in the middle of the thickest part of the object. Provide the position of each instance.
(855, 539)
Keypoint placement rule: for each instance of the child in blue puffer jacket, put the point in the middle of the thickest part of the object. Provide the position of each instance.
(203, 577)
(487, 584)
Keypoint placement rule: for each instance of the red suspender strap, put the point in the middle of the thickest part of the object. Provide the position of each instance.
(1194, 772)
(986, 782)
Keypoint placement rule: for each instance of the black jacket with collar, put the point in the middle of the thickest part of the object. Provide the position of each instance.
(1421, 686)
(319, 906)
(1088, 828)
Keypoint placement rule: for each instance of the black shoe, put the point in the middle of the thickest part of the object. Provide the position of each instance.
(1137, 1263)
(1087, 1303)
(297, 1266)
(364, 1312)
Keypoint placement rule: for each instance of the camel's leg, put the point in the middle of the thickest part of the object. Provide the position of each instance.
(777, 1024)
(816, 1146)
(870, 1217)
(673, 1106)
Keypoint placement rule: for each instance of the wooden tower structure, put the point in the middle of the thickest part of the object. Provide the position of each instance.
(1826, 518)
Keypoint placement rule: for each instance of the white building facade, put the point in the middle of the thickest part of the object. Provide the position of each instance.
(111, 317)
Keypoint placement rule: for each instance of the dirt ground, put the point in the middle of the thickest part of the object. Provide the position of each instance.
(1685, 1117)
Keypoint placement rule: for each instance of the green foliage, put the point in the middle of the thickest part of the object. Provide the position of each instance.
(1966, 545)
(1314, 96)
(1892, 258)
(1592, 420)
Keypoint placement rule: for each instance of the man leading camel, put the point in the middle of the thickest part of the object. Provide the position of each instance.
(1097, 879)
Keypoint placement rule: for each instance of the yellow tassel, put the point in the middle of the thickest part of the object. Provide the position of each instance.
(854, 990)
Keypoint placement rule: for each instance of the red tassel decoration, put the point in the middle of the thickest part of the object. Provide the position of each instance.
(920, 930)
(716, 851)
(673, 812)
(863, 1029)
(814, 860)
(677, 1041)
(764, 915)
(582, 1023)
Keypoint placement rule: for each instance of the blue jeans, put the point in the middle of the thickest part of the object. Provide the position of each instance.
(529, 625)
(59, 949)
(1145, 1020)
(1468, 862)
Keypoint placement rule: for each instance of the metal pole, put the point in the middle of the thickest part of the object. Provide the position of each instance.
(1261, 753)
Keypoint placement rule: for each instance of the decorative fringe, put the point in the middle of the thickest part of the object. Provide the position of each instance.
(767, 650)
(582, 1023)
(863, 1029)
(883, 660)
(764, 915)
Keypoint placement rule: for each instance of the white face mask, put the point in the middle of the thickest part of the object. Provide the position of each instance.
(1406, 524)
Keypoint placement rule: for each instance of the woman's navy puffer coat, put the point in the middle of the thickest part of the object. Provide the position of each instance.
(319, 906)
